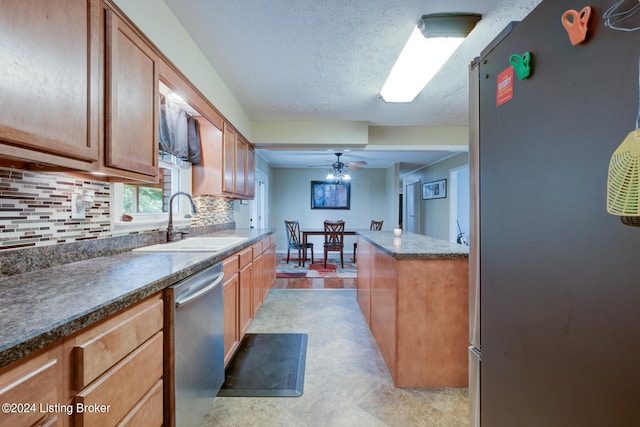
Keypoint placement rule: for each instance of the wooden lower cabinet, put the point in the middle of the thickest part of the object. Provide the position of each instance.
(418, 315)
(245, 314)
(248, 277)
(231, 307)
(111, 373)
(258, 278)
(31, 388)
(107, 374)
(148, 411)
(269, 266)
(106, 400)
(364, 278)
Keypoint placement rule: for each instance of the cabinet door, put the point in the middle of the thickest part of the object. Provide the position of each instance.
(231, 323)
(363, 280)
(258, 279)
(229, 159)
(246, 282)
(242, 147)
(131, 132)
(251, 173)
(49, 90)
(208, 175)
(269, 269)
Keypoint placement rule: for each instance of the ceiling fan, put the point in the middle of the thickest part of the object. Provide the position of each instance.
(338, 169)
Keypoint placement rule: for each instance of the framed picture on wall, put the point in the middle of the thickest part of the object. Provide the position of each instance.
(434, 190)
(330, 195)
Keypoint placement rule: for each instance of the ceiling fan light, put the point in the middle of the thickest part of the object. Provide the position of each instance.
(330, 176)
(346, 176)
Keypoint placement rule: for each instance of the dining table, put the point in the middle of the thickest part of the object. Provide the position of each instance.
(318, 232)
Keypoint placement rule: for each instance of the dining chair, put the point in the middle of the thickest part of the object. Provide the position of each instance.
(334, 239)
(375, 226)
(295, 242)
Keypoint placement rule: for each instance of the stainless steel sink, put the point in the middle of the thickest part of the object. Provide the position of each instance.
(195, 244)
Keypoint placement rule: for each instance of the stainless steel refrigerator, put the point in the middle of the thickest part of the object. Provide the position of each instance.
(556, 276)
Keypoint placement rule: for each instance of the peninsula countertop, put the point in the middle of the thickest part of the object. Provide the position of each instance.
(40, 307)
(412, 245)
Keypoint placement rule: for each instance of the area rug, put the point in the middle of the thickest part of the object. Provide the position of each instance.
(316, 270)
(267, 365)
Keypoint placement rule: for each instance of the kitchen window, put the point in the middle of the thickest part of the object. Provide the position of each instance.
(140, 207)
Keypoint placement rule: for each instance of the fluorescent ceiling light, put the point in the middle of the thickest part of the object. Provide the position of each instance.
(431, 44)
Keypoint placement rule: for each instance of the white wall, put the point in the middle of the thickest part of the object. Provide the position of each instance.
(392, 188)
(292, 200)
(434, 219)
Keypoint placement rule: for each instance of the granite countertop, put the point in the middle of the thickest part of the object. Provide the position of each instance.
(40, 307)
(412, 245)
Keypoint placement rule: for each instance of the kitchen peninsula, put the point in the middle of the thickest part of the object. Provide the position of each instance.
(413, 291)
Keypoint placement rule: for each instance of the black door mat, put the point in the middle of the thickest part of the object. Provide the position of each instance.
(267, 365)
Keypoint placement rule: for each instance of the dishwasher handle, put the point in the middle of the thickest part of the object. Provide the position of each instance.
(189, 297)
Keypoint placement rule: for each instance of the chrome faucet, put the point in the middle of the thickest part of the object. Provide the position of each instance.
(171, 232)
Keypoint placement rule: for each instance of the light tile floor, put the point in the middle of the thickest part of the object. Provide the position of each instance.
(346, 380)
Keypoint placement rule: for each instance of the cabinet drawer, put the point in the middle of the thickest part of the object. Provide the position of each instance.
(117, 392)
(257, 249)
(230, 267)
(246, 256)
(34, 383)
(148, 411)
(102, 346)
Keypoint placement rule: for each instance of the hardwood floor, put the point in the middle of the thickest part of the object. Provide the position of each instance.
(315, 283)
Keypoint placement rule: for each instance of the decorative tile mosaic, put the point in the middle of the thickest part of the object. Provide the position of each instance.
(212, 210)
(35, 210)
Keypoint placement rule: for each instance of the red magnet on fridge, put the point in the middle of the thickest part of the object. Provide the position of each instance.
(576, 24)
(522, 64)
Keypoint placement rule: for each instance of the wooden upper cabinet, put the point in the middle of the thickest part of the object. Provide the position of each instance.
(208, 175)
(229, 159)
(238, 164)
(228, 162)
(242, 151)
(251, 173)
(131, 89)
(49, 90)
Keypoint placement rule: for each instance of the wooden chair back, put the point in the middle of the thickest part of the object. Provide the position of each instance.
(334, 235)
(293, 232)
(375, 225)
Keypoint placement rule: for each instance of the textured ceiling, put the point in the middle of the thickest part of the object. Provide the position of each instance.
(328, 59)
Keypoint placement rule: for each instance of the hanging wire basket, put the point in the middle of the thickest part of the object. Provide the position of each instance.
(623, 183)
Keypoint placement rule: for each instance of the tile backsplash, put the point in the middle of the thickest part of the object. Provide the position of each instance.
(35, 210)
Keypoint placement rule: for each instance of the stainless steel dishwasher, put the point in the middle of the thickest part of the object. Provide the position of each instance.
(198, 343)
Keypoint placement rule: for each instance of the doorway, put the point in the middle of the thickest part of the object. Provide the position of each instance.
(259, 203)
(412, 197)
(459, 205)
